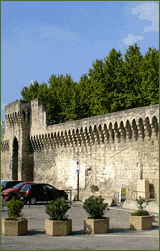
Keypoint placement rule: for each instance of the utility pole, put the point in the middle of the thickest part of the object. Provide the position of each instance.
(78, 186)
(77, 170)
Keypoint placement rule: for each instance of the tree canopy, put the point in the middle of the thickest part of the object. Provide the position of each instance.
(112, 84)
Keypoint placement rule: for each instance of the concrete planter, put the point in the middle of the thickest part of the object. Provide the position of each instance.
(58, 228)
(96, 226)
(14, 227)
(140, 222)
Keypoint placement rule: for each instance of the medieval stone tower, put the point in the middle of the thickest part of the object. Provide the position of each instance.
(17, 153)
(114, 150)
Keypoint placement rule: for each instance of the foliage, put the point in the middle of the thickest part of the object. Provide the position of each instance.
(140, 213)
(14, 208)
(95, 207)
(57, 209)
(30, 93)
(142, 203)
(112, 84)
(132, 77)
(150, 78)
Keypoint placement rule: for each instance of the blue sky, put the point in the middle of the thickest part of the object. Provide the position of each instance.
(41, 38)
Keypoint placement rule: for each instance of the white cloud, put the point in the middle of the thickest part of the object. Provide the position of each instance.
(120, 45)
(32, 81)
(150, 12)
(131, 39)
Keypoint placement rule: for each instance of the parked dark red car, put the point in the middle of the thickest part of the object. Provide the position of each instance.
(13, 193)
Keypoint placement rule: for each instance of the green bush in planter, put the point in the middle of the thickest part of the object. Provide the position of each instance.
(95, 207)
(141, 205)
(14, 209)
(57, 209)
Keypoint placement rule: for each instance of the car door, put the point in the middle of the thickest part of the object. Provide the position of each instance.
(38, 192)
(50, 192)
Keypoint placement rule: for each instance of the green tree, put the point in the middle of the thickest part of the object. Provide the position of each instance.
(66, 98)
(30, 93)
(83, 91)
(132, 77)
(105, 84)
(54, 110)
(113, 82)
(150, 78)
(96, 88)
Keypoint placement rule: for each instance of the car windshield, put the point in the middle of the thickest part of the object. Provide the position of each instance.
(17, 186)
(25, 187)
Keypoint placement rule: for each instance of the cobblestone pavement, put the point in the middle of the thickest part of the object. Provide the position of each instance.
(120, 236)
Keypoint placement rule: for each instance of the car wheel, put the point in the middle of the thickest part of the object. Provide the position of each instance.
(32, 201)
(13, 197)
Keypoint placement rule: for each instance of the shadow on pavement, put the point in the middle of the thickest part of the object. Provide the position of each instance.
(79, 232)
(35, 232)
(155, 227)
(120, 230)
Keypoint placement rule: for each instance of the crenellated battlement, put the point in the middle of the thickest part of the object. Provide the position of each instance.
(17, 112)
(13, 118)
(143, 129)
(130, 125)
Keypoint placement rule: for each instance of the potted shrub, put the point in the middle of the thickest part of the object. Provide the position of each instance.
(58, 224)
(141, 219)
(15, 224)
(95, 223)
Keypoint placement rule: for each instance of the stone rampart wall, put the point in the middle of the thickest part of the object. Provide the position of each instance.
(114, 150)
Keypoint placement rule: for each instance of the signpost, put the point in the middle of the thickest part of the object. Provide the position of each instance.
(77, 170)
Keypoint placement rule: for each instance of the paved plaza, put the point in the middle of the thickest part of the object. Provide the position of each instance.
(120, 236)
